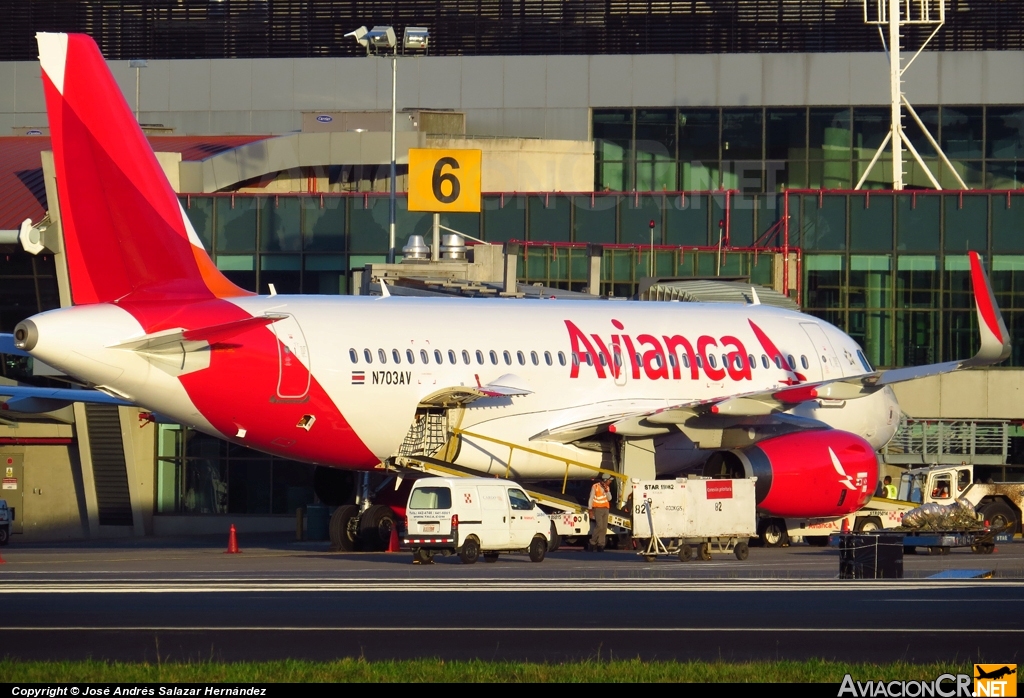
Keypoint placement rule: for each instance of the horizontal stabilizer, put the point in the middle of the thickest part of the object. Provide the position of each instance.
(177, 340)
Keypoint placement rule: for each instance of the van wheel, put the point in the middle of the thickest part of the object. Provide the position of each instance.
(538, 548)
(490, 557)
(343, 528)
(555, 541)
(773, 533)
(422, 556)
(470, 551)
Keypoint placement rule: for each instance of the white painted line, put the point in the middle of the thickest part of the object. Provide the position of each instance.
(615, 629)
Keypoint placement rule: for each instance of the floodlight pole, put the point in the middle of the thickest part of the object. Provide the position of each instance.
(392, 203)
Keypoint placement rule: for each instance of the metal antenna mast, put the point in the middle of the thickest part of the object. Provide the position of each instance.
(895, 14)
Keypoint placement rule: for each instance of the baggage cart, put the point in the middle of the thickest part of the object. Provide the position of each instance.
(694, 516)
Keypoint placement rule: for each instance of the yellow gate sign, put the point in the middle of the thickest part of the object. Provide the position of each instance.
(444, 180)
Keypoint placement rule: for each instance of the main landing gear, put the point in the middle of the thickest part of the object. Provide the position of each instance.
(364, 525)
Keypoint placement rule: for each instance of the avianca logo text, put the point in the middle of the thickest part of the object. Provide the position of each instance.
(669, 356)
(650, 354)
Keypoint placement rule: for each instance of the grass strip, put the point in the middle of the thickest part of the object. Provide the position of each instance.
(437, 670)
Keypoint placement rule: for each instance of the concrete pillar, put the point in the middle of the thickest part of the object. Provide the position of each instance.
(511, 267)
(595, 254)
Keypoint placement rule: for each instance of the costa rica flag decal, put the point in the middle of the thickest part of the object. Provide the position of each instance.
(358, 377)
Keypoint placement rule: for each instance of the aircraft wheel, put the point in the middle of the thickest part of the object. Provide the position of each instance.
(685, 553)
(375, 527)
(343, 528)
(538, 549)
(470, 551)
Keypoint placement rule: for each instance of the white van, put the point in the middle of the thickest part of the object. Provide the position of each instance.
(473, 517)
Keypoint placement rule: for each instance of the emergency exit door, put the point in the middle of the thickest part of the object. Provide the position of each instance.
(14, 488)
(293, 376)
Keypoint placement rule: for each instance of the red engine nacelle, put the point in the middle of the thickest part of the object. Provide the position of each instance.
(810, 473)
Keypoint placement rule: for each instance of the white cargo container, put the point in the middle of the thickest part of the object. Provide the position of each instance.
(712, 514)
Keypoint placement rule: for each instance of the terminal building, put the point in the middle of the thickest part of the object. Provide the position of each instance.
(626, 147)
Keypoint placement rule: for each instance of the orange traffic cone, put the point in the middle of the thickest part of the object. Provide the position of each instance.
(846, 526)
(393, 541)
(232, 541)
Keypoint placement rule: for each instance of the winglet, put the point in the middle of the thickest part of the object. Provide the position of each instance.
(384, 292)
(754, 300)
(995, 339)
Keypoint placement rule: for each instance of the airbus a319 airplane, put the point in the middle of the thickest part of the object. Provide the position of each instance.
(351, 382)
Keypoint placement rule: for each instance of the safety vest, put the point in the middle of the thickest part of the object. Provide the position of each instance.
(890, 491)
(600, 496)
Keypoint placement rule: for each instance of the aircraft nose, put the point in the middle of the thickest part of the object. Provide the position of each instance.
(26, 335)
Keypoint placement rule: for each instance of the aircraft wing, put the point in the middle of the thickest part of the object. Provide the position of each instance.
(32, 399)
(769, 406)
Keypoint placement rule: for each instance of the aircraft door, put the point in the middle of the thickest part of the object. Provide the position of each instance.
(824, 355)
(293, 377)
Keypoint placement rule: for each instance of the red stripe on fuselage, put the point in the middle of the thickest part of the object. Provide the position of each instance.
(238, 390)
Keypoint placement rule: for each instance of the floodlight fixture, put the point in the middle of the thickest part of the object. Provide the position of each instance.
(382, 37)
(137, 63)
(360, 36)
(416, 38)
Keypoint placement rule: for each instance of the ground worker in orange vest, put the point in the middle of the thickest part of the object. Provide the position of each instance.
(599, 504)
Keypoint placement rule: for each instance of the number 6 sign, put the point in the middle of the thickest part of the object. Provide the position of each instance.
(444, 180)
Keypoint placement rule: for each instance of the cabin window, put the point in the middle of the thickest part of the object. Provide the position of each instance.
(396, 356)
(522, 358)
(672, 360)
(353, 356)
(451, 357)
(792, 362)
(438, 359)
(479, 357)
(561, 359)
(547, 358)
(465, 357)
(686, 360)
(382, 355)
(409, 356)
(508, 357)
(534, 359)
(805, 364)
(368, 356)
(778, 361)
(424, 356)
(751, 362)
(575, 358)
(698, 361)
(494, 357)
(712, 361)
(764, 361)
(725, 361)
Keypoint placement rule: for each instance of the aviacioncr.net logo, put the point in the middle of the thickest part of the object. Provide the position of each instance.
(944, 686)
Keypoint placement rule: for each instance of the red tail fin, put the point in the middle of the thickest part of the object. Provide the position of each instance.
(124, 229)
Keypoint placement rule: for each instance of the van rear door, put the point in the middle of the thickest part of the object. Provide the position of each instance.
(494, 530)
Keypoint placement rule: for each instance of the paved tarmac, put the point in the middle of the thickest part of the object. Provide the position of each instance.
(186, 600)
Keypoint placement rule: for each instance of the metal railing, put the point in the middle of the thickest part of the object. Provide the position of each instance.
(949, 441)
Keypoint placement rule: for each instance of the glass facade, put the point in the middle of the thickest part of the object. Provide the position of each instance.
(772, 149)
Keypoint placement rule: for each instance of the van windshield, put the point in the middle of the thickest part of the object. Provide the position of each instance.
(431, 498)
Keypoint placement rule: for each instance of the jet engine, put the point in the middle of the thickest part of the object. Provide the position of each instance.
(823, 472)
